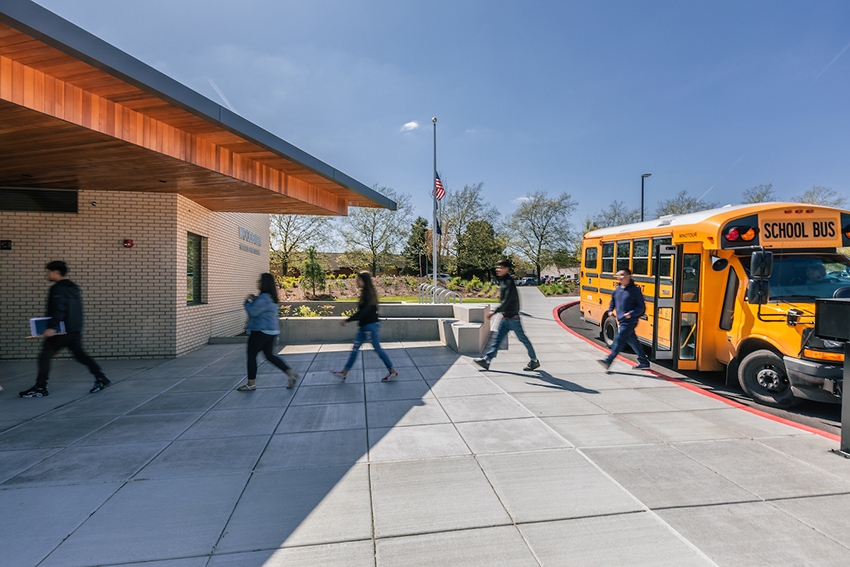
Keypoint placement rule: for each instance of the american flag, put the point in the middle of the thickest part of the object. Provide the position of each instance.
(439, 192)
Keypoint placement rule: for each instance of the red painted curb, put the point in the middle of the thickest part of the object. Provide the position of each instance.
(557, 314)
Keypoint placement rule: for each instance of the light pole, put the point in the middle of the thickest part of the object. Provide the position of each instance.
(642, 178)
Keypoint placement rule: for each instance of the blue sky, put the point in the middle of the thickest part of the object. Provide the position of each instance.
(711, 97)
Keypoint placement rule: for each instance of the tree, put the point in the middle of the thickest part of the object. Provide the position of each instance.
(615, 215)
(819, 195)
(458, 210)
(313, 273)
(416, 251)
(683, 203)
(478, 250)
(377, 233)
(540, 226)
(759, 194)
(290, 235)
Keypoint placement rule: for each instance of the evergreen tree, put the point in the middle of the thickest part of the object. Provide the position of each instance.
(416, 251)
(314, 274)
(478, 250)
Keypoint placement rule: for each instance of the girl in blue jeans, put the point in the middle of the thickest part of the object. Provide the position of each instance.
(367, 320)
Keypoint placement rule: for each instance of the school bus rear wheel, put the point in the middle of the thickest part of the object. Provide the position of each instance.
(609, 330)
(762, 376)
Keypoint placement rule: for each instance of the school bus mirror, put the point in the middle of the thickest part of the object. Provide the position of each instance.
(758, 292)
(761, 264)
(718, 264)
(793, 317)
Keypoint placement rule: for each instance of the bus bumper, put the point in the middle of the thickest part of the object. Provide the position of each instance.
(815, 381)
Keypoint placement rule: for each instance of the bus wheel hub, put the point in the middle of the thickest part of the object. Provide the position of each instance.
(770, 379)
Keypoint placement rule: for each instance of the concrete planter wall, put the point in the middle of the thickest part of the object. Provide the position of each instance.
(307, 330)
(385, 309)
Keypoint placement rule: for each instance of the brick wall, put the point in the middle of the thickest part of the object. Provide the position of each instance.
(134, 298)
(232, 272)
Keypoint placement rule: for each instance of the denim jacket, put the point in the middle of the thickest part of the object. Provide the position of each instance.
(262, 315)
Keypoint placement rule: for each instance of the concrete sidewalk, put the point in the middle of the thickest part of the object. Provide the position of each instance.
(446, 466)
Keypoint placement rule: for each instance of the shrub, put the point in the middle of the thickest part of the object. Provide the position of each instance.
(348, 313)
(284, 310)
(475, 284)
(305, 311)
(326, 310)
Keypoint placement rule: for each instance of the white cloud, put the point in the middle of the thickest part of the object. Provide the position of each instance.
(410, 126)
(519, 200)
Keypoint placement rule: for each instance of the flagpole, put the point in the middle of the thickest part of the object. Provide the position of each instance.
(434, 193)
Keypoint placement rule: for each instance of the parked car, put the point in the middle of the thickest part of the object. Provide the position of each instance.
(527, 281)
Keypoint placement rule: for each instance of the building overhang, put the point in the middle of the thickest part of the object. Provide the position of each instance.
(78, 113)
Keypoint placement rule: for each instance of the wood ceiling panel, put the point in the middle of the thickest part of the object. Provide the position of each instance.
(67, 124)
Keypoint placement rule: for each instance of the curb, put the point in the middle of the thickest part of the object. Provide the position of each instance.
(557, 315)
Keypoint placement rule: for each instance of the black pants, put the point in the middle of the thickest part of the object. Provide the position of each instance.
(259, 341)
(52, 345)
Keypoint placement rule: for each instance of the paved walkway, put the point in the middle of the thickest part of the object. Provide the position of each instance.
(446, 466)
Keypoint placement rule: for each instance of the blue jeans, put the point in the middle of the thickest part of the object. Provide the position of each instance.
(505, 325)
(374, 330)
(626, 336)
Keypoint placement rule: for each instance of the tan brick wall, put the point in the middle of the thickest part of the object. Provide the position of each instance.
(134, 298)
(231, 272)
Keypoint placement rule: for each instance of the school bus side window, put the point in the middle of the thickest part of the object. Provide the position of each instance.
(640, 258)
(666, 270)
(624, 255)
(690, 277)
(608, 258)
(727, 314)
(590, 257)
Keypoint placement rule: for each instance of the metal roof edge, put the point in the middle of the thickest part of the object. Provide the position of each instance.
(57, 32)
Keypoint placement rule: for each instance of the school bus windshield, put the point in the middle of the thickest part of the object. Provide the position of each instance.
(808, 276)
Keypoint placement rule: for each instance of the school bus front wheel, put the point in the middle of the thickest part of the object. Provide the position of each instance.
(763, 377)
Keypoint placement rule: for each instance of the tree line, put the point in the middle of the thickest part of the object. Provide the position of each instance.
(472, 234)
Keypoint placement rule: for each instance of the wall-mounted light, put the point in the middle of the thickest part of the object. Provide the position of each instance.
(128, 243)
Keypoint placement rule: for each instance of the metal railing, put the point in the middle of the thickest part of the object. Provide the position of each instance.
(429, 293)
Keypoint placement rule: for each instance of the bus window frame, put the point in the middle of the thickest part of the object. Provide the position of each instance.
(611, 258)
(628, 257)
(730, 295)
(647, 257)
(587, 250)
(665, 241)
(686, 298)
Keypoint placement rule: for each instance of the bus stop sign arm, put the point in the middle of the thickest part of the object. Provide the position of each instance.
(832, 322)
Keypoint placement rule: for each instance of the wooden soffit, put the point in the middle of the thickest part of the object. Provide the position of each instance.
(77, 113)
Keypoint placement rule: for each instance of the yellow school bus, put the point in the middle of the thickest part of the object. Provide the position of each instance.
(694, 271)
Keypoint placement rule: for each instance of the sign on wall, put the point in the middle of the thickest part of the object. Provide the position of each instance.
(251, 237)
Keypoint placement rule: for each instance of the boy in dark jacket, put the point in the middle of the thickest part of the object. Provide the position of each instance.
(628, 304)
(509, 308)
(64, 305)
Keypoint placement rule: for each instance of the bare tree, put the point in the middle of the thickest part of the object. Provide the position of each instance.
(615, 215)
(290, 235)
(759, 194)
(683, 203)
(458, 210)
(377, 233)
(819, 195)
(541, 226)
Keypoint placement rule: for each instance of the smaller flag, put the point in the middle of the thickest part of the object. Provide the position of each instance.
(439, 230)
(439, 192)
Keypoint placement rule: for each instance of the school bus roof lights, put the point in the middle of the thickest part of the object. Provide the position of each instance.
(741, 234)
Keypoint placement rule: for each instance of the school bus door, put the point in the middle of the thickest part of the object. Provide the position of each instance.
(689, 277)
(665, 302)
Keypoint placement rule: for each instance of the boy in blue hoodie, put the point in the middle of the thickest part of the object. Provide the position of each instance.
(628, 304)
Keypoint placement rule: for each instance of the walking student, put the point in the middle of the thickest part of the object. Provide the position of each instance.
(367, 320)
(64, 305)
(509, 308)
(628, 305)
(263, 328)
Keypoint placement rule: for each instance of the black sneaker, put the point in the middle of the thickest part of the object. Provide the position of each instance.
(100, 384)
(35, 392)
(605, 364)
(642, 367)
(483, 363)
(532, 364)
